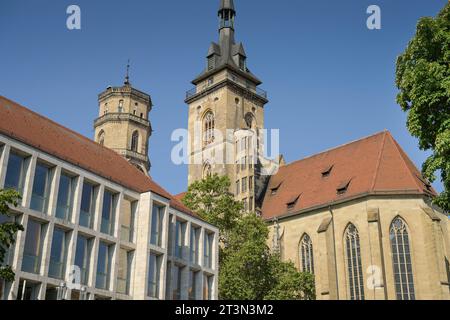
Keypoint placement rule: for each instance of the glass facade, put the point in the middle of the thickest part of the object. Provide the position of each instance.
(41, 188)
(207, 287)
(58, 254)
(15, 172)
(103, 266)
(157, 225)
(180, 233)
(193, 281)
(64, 204)
(208, 250)
(124, 271)
(177, 281)
(83, 257)
(154, 272)
(108, 213)
(33, 247)
(87, 205)
(194, 245)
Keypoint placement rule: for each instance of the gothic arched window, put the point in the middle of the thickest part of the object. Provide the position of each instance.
(306, 254)
(208, 128)
(354, 266)
(401, 258)
(101, 138)
(207, 170)
(135, 141)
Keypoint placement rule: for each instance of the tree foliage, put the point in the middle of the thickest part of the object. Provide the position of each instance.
(423, 78)
(248, 269)
(8, 230)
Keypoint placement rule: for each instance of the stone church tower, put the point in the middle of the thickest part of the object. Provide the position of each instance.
(226, 112)
(123, 124)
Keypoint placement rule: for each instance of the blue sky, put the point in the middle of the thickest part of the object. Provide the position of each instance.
(330, 80)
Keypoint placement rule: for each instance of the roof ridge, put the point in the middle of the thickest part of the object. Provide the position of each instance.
(337, 147)
(377, 169)
(401, 153)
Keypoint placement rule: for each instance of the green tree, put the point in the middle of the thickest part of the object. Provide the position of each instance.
(211, 199)
(248, 269)
(7, 230)
(423, 78)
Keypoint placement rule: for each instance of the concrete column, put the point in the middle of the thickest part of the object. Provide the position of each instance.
(46, 249)
(142, 246)
(53, 192)
(75, 214)
(98, 209)
(93, 263)
(4, 156)
(29, 179)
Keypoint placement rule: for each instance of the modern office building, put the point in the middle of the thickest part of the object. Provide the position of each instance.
(96, 226)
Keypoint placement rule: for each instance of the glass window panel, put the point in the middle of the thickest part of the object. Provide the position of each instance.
(82, 257)
(103, 266)
(41, 189)
(109, 206)
(87, 205)
(157, 225)
(58, 254)
(15, 173)
(33, 247)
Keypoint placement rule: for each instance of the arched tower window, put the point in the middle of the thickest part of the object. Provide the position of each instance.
(354, 266)
(306, 254)
(207, 170)
(120, 109)
(401, 258)
(101, 138)
(135, 141)
(208, 128)
(250, 121)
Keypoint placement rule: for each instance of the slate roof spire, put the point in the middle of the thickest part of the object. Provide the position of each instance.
(226, 53)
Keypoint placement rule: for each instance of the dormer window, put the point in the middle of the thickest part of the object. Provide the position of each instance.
(425, 182)
(274, 189)
(242, 63)
(292, 202)
(211, 62)
(210, 81)
(343, 187)
(326, 172)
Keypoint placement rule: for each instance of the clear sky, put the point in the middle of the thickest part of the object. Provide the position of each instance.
(330, 80)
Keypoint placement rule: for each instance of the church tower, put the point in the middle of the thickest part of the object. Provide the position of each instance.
(123, 124)
(225, 108)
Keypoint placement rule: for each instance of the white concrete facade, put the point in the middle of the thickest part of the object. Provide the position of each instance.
(136, 242)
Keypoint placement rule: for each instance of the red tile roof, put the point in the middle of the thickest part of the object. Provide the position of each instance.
(44, 134)
(375, 164)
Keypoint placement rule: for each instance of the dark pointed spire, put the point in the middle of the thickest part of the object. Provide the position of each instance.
(127, 76)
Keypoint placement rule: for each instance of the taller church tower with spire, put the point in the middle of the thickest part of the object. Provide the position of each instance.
(224, 106)
(123, 123)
